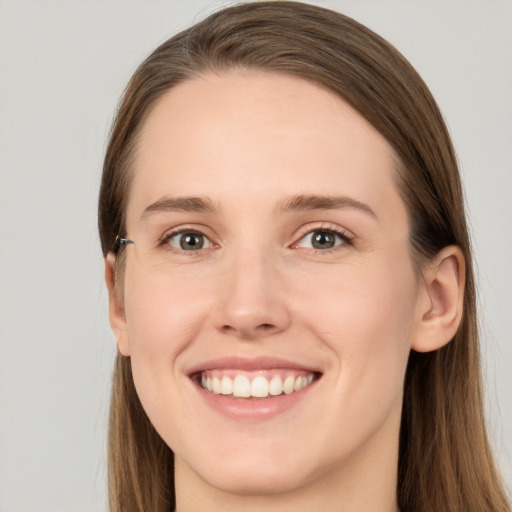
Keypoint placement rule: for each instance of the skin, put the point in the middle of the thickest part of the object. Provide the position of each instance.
(248, 141)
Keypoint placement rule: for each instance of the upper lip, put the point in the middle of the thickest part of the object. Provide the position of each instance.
(250, 364)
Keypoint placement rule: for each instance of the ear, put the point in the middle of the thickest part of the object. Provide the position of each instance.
(116, 307)
(440, 308)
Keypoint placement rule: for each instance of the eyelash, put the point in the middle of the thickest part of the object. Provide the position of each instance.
(165, 239)
(345, 237)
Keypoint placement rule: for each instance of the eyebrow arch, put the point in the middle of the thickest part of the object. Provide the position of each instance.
(180, 204)
(302, 202)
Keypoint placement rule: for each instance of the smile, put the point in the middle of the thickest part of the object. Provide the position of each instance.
(255, 384)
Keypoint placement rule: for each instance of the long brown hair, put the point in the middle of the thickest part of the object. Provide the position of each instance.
(445, 463)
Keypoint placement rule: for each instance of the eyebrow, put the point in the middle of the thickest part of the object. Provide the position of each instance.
(300, 202)
(304, 202)
(180, 204)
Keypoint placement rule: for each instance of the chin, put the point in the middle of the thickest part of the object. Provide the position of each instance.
(259, 470)
(247, 479)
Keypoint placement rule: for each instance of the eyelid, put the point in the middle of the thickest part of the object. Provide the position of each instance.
(164, 239)
(343, 233)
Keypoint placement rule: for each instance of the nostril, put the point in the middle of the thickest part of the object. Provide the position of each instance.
(266, 329)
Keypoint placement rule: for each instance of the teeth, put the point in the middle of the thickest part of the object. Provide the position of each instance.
(241, 386)
(289, 385)
(216, 385)
(226, 386)
(276, 386)
(260, 387)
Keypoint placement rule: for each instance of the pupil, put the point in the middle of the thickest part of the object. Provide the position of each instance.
(191, 241)
(323, 240)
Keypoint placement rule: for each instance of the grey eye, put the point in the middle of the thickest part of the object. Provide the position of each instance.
(189, 241)
(321, 239)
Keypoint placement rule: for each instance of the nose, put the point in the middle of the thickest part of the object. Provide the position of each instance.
(252, 302)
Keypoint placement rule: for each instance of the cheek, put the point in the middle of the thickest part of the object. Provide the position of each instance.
(162, 314)
(366, 317)
(162, 320)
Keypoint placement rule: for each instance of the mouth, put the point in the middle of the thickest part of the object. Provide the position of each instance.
(255, 384)
(253, 389)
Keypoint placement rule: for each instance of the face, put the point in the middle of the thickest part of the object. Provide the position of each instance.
(269, 296)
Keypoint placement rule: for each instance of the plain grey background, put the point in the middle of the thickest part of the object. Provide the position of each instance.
(63, 66)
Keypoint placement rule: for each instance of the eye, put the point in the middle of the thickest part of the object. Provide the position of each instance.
(322, 239)
(188, 240)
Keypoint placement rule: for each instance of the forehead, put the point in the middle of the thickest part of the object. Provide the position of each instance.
(249, 133)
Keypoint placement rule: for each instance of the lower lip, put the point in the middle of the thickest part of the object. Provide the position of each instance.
(255, 409)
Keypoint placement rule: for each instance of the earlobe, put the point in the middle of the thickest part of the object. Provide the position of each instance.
(116, 307)
(440, 311)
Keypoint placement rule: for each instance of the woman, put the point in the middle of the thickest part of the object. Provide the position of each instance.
(290, 278)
